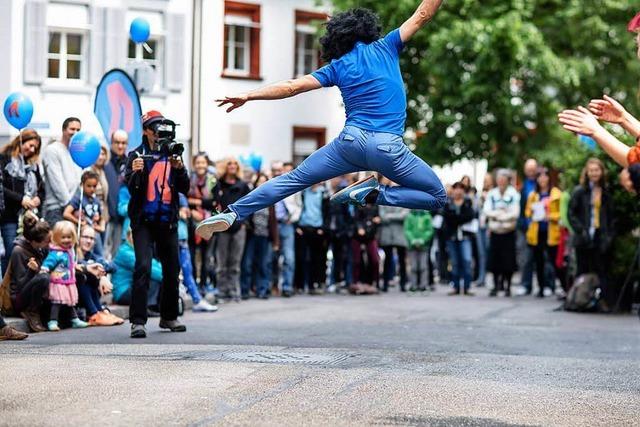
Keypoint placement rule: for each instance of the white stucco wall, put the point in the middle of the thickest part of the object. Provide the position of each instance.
(54, 102)
(271, 123)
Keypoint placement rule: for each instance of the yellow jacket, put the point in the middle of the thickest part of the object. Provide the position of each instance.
(553, 212)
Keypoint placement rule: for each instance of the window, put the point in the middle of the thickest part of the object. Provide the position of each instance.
(65, 56)
(241, 40)
(306, 140)
(67, 27)
(145, 64)
(151, 57)
(307, 53)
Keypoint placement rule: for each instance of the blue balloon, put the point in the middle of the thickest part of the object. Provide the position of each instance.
(84, 149)
(255, 161)
(18, 110)
(139, 30)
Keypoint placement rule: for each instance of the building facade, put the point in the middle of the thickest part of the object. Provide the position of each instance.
(56, 52)
(247, 44)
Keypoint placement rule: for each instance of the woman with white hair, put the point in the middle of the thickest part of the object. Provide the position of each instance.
(502, 208)
(230, 243)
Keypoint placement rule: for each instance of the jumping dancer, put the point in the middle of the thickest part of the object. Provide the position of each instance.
(366, 68)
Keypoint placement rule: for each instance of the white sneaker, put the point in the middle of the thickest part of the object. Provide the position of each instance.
(204, 306)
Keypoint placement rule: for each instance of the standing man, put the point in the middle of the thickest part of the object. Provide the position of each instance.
(525, 254)
(155, 177)
(61, 174)
(115, 170)
(366, 68)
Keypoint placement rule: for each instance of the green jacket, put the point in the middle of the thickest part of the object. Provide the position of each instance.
(418, 229)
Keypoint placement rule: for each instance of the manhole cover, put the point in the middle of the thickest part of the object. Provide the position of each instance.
(285, 357)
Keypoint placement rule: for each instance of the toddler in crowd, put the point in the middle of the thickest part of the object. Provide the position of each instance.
(418, 229)
(91, 208)
(60, 266)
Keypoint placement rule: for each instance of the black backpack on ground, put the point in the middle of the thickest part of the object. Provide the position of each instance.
(584, 295)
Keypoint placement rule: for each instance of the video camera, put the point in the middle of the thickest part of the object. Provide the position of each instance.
(165, 131)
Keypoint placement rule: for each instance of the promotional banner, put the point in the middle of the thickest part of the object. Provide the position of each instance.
(117, 106)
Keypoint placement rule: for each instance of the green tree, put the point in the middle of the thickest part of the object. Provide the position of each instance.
(487, 79)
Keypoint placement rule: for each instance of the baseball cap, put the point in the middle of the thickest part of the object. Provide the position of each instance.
(150, 117)
(634, 24)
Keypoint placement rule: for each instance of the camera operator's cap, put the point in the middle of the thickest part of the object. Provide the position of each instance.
(634, 24)
(150, 117)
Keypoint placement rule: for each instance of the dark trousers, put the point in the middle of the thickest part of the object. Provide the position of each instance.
(443, 259)
(255, 266)
(89, 292)
(311, 258)
(165, 239)
(372, 273)
(33, 294)
(205, 249)
(9, 231)
(591, 260)
(389, 270)
(545, 259)
(340, 247)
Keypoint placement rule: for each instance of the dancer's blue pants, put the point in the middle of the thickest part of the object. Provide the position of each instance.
(356, 150)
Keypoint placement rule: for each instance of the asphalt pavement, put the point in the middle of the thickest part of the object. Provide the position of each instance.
(333, 360)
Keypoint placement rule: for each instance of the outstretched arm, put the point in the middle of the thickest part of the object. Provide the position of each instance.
(581, 121)
(425, 12)
(610, 110)
(280, 90)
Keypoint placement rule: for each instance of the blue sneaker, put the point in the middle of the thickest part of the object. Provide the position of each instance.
(216, 224)
(357, 192)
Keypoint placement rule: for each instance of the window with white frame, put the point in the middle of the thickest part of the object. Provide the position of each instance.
(67, 26)
(306, 50)
(152, 52)
(237, 46)
(241, 40)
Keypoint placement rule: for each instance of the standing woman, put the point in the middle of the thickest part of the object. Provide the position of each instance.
(543, 234)
(592, 218)
(230, 243)
(23, 186)
(201, 203)
(502, 209)
(392, 236)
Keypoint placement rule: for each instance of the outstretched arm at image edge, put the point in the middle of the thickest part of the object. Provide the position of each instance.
(425, 13)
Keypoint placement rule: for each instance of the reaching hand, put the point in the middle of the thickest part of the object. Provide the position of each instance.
(580, 121)
(33, 264)
(607, 109)
(235, 101)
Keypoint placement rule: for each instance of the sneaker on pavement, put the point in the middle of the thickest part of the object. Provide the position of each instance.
(204, 307)
(138, 331)
(172, 325)
(52, 325)
(357, 192)
(78, 324)
(33, 319)
(216, 224)
(10, 334)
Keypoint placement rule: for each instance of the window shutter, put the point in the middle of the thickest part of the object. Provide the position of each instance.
(175, 51)
(97, 50)
(36, 39)
(115, 39)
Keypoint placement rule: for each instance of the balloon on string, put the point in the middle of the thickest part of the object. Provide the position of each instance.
(84, 149)
(18, 110)
(589, 142)
(139, 30)
(255, 160)
(244, 160)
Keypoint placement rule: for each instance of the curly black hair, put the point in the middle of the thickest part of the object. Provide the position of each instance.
(345, 29)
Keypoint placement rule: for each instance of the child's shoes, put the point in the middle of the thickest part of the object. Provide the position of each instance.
(78, 324)
(52, 325)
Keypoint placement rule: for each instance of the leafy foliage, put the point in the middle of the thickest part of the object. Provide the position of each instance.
(486, 79)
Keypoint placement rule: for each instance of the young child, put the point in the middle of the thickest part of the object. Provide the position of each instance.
(418, 229)
(60, 267)
(91, 208)
(199, 304)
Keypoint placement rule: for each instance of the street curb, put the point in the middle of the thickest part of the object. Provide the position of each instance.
(121, 311)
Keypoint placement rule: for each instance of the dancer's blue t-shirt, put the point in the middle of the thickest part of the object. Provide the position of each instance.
(371, 84)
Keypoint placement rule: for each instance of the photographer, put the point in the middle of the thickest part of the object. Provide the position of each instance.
(155, 174)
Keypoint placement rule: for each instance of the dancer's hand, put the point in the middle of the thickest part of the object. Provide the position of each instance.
(580, 121)
(235, 101)
(608, 109)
